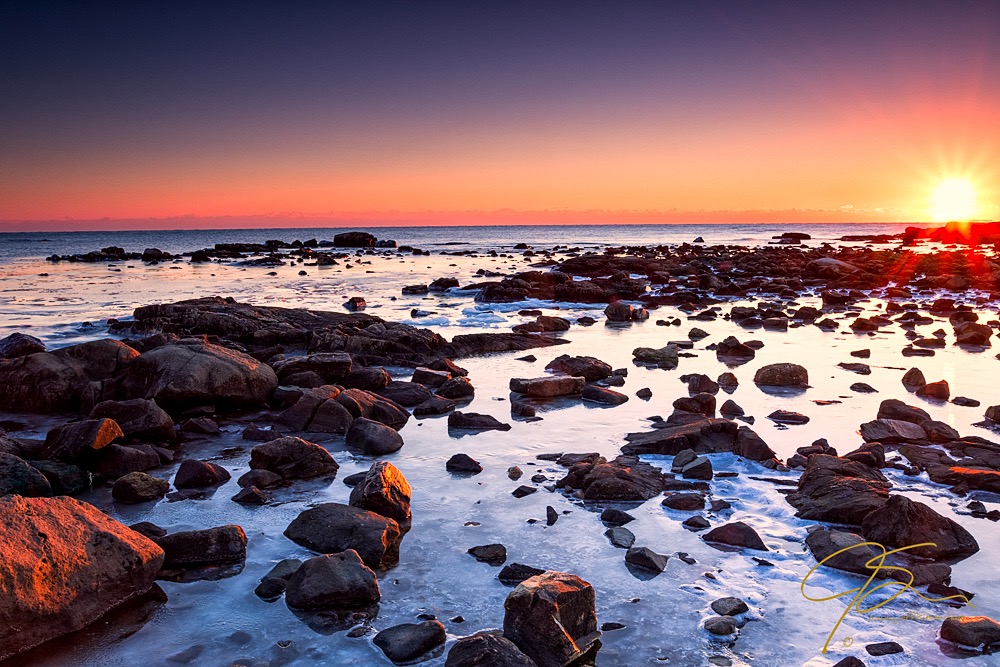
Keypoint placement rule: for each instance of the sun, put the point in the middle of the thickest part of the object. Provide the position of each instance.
(954, 199)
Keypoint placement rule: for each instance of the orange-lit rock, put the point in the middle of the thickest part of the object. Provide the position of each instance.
(65, 564)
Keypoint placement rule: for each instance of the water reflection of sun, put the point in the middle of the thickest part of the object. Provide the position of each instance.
(954, 199)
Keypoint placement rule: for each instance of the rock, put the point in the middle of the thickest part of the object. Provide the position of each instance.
(731, 407)
(894, 409)
(66, 380)
(688, 502)
(331, 582)
(20, 479)
(492, 554)
(551, 618)
(293, 458)
(623, 538)
(938, 390)
(647, 559)
(429, 377)
(194, 474)
(623, 479)
(720, 625)
(354, 240)
(262, 479)
(373, 438)
(114, 460)
(883, 648)
(515, 573)
(696, 523)
(735, 534)
(463, 463)
(331, 367)
(782, 375)
(19, 345)
(892, 430)
(787, 417)
(194, 373)
(665, 357)
(361, 403)
(850, 661)
(548, 387)
(138, 417)
(250, 495)
(853, 557)
(406, 642)
(699, 383)
(618, 312)
(645, 393)
(993, 413)
(473, 421)
(616, 517)
(699, 468)
(732, 348)
(914, 379)
(487, 649)
(138, 487)
(589, 368)
(523, 491)
(333, 527)
(456, 389)
(596, 394)
(384, 491)
(317, 411)
(212, 546)
(838, 490)
(435, 405)
(80, 441)
(729, 607)
(973, 631)
(368, 379)
(863, 388)
(65, 478)
(902, 522)
(551, 516)
(57, 590)
(201, 426)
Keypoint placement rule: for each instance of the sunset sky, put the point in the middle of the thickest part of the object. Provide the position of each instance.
(468, 111)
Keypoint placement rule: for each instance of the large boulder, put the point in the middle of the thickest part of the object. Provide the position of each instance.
(902, 522)
(895, 409)
(551, 617)
(972, 631)
(332, 582)
(487, 649)
(838, 490)
(842, 550)
(19, 478)
(373, 438)
(293, 458)
(138, 417)
(332, 528)
(354, 240)
(704, 436)
(625, 478)
(65, 564)
(212, 546)
(735, 534)
(782, 375)
(64, 380)
(385, 491)
(892, 430)
(331, 367)
(196, 373)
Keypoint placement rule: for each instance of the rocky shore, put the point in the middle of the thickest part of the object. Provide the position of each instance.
(147, 417)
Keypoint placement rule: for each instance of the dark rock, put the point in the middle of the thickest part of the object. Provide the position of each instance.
(720, 625)
(914, 378)
(250, 495)
(487, 649)
(589, 368)
(330, 582)
(19, 345)
(972, 631)
(838, 490)
(406, 642)
(938, 390)
(435, 405)
(456, 389)
(138, 487)
(354, 240)
(548, 387)
(604, 396)
(138, 417)
(332, 528)
(623, 538)
(80, 441)
(463, 463)
(902, 522)
(782, 375)
(787, 417)
(65, 478)
(622, 479)
(361, 403)
(194, 474)
(616, 517)
(522, 491)
(212, 546)
(895, 409)
(883, 648)
(373, 438)
(492, 554)
(473, 421)
(646, 558)
(19, 478)
(688, 502)
(736, 534)
(293, 458)
(854, 553)
(729, 607)
(551, 618)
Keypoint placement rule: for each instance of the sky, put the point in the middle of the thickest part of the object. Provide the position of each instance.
(233, 113)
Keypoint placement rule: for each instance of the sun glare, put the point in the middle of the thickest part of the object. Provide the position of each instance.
(954, 199)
